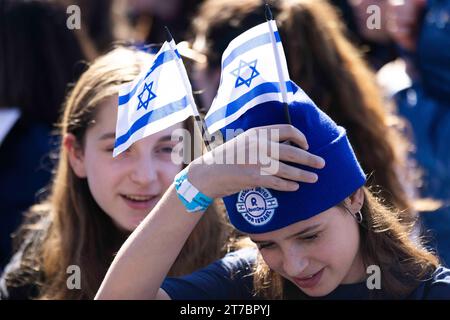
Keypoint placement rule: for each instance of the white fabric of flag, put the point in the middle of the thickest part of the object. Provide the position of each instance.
(157, 99)
(250, 75)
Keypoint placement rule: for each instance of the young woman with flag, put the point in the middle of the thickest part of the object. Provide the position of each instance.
(96, 200)
(332, 239)
(330, 70)
(315, 240)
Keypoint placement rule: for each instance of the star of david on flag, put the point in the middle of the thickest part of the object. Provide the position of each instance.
(245, 73)
(158, 98)
(146, 96)
(250, 75)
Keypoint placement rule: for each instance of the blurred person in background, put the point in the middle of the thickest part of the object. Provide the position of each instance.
(39, 57)
(421, 30)
(97, 31)
(366, 29)
(149, 17)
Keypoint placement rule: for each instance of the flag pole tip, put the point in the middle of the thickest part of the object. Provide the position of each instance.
(168, 34)
(268, 12)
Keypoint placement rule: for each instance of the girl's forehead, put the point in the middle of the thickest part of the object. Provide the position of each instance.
(314, 222)
(104, 115)
(107, 109)
(282, 233)
(106, 118)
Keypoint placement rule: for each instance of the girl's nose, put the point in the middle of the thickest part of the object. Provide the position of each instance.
(145, 171)
(294, 263)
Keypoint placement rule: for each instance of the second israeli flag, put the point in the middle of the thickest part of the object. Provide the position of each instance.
(157, 99)
(250, 75)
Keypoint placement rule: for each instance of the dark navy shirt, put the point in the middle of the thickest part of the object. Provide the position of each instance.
(230, 278)
(227, 278)
(25, 169)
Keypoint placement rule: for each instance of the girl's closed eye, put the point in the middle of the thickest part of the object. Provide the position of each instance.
(309, 238)
(110, 149)
(268, 245)
(165, 149)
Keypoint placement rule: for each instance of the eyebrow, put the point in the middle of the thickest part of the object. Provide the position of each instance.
(306, 230)
(112, 135)
(108, 135)
(165, 138)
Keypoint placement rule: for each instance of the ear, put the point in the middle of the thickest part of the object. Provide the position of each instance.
(75, 155)
(355, 201)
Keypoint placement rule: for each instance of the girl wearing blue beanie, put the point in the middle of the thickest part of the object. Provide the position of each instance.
(327, 237)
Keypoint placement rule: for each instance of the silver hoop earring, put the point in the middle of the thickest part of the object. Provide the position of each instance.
(358, 216)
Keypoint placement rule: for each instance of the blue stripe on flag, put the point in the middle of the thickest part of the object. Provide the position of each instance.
(152, 116)
(234, 106)
(164, 57)
(178, 54)
(249, 45)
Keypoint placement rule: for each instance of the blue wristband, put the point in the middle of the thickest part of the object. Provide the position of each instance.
(190, 196)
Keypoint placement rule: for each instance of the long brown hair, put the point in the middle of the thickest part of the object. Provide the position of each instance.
(77, 231)
(384, 242)
(333, 73)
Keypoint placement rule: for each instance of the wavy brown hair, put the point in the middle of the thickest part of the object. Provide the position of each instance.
(72, 228)
(384, 242)
(333, 73)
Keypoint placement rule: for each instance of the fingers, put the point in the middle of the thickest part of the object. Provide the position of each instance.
(258, 157)
(283, 132)
(288, 172)
(289, 153)
(277, 183)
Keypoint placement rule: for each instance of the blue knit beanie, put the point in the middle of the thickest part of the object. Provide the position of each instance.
(260, 210)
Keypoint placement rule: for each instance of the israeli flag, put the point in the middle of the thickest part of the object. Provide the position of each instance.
(157, 99)
(254, 71)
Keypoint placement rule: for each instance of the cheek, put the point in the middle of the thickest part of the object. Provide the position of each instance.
(103, 174)
(322, 251)
(274, 259)
(167, 172)
(343, 249)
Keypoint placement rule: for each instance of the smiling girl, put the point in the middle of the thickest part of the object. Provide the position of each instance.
(314, 240)
(96, 200)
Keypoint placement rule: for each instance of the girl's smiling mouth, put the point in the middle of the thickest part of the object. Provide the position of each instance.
(309, 281)
(140, 202)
